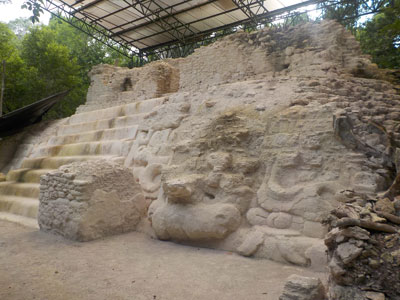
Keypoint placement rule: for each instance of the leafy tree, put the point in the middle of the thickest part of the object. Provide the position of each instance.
(20, 26)
(348, 12)
(35, 7)
(84, 48)
(37, 67)
(45, 60)
(17, 74)
(7, 42)
(380, 37)
(57, 69)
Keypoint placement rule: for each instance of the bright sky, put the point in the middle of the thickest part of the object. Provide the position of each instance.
(13, 10)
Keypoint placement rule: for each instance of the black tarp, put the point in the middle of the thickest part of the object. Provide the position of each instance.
(16, 120)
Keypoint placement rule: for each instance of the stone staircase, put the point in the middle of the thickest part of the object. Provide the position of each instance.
(107, 133)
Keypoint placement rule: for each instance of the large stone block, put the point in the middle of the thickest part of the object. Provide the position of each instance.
(303, 288)
(194, 222)
(89, 200)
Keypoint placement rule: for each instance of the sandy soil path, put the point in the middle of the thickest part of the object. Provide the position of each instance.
(36, 265)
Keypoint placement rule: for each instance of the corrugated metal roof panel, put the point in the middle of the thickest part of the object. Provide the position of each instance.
(148, 23)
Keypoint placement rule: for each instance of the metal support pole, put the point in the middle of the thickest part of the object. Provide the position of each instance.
(251, 8)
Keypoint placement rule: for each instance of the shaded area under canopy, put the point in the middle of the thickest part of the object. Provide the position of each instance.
(18, 119)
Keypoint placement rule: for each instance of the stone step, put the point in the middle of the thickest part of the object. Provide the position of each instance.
(58, 161)
(101, 124)
(28, 222)
(116, 111)
(26, 175)
(131, 120)
(110, 147)
(21, 189)
(118, 133)
(23, 206)
(101, 114)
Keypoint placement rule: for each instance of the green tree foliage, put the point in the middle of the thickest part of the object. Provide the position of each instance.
(380, 37)
(35, 7)
(43, 60)
(17, 73)
(84, 48)
(20, 26)
(56, 67)
(348, 12)
(7, 42)
(37, 67)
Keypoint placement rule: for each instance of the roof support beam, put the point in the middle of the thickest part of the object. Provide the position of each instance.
(64, 11)
(284, 12)
(190, 23)
(85, 6)
(77, 2)
(167, 26)
(174, 14)
(193, 22)
(247, 6)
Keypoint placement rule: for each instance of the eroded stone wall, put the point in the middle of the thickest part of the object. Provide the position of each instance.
(112, 86)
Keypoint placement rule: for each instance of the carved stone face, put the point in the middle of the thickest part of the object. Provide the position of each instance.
(253, 176)
(210, 184)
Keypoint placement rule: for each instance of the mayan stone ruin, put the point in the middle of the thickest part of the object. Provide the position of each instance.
(276, 144)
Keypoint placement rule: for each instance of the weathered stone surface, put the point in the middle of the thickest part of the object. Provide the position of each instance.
(375, 296)
(345, 293)
(200, 222)
(257, 216)
(252, 241)
(314, 229)
(356, 233)
(318, 256)
(303, 288)
(113, 86)
(104, 199)
(385, 205)
(347, 252)
(279, 220)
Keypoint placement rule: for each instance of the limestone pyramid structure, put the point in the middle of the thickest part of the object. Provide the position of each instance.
(245, 145)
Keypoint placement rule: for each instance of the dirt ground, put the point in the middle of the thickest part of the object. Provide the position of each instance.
(37, 265)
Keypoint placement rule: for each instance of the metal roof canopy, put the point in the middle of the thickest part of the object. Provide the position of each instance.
(143, 26)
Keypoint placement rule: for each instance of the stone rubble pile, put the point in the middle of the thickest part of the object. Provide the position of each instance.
(364, 248)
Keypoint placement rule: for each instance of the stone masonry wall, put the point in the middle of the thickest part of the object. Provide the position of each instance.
(111, 86)
(89, 200)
